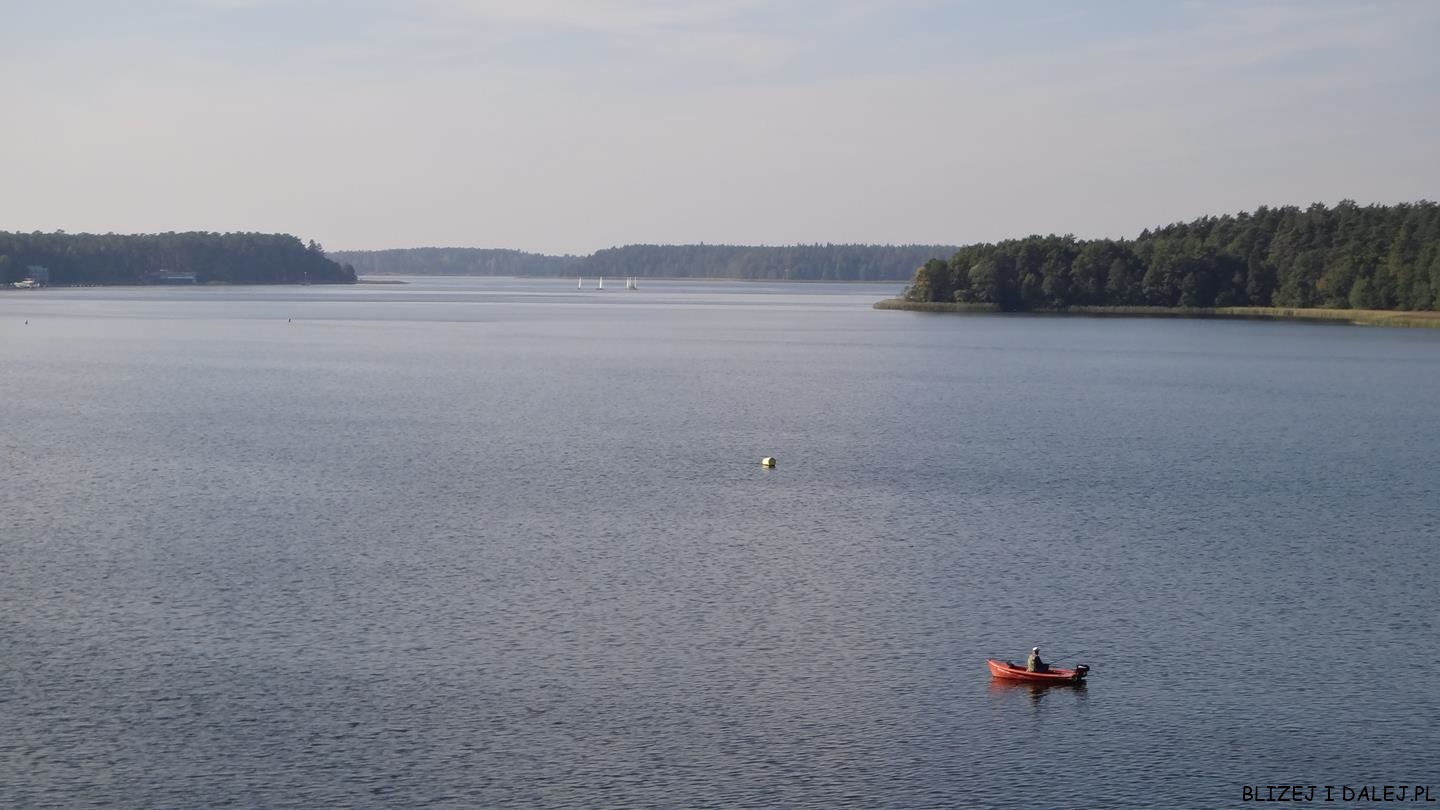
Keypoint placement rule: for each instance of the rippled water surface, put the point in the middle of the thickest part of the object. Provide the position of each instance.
(488, 542)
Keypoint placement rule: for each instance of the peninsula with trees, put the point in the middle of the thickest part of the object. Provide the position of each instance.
(1370, 264)
(193, 257)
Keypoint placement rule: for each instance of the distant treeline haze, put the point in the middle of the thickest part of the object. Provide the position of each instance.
(795, 262)
(1375, 257)
(233, 258)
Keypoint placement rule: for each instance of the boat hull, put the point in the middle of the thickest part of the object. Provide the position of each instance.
(1055, 676)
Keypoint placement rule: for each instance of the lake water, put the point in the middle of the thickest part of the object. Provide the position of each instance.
(493, 542)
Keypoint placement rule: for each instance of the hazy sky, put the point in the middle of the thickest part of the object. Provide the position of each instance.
(573, 125)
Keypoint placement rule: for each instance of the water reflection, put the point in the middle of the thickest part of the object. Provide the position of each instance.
(1038, 693)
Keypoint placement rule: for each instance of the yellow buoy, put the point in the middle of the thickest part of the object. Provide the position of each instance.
(767, 461)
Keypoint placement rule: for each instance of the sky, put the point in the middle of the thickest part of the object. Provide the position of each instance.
(567, 126)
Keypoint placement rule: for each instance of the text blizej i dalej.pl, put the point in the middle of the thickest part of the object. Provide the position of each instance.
(1336, 793)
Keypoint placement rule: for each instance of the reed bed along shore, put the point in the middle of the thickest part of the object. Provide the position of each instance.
(1361, 317)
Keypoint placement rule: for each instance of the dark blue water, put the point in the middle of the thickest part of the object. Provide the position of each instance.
(481, 543)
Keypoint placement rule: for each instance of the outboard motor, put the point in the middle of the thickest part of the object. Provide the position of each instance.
(1081, 670)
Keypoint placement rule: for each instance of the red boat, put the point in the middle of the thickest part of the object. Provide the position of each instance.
(1055, 675)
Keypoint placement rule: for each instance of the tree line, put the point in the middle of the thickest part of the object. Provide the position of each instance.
(828, 262)
(435, 261)
(1346, 257)
(231, 258)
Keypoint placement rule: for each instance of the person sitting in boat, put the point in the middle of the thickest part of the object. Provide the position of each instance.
(1034, 664)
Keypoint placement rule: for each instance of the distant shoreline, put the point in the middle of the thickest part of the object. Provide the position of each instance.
(1357, 317)
(814, 262)
(184, 285)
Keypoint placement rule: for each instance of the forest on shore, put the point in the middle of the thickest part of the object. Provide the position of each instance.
(225, 258)
(791, 262)
(1375, 257)
(437, 261)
